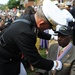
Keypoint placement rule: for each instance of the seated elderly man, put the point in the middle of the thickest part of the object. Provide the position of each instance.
(63, 51)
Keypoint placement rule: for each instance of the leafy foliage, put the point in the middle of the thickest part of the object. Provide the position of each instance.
(3, 7)
(13, 4)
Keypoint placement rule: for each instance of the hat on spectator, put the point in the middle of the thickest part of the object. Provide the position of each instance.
(53, 14)
(68, 3)
(62, 6)
(65, 30)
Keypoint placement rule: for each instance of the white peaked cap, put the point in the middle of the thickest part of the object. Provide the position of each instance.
(67, 15)
(53, 13)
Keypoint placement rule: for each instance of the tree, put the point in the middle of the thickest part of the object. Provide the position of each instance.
(3, 7)
(13, 4)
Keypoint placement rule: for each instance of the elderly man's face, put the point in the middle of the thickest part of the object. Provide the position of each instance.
(63, 40)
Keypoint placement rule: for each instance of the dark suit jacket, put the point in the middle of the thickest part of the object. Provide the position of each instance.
(68, 58)
(21, 37)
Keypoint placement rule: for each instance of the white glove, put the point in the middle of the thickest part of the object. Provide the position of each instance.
(57, 65)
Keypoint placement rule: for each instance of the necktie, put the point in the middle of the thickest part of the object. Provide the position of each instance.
(60, 52)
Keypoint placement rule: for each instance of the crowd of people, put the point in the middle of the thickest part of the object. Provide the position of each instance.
(19, 39)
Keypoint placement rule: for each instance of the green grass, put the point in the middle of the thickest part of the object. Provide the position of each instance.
(29, 72)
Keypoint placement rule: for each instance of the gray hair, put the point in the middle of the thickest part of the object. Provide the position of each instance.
(40, 13)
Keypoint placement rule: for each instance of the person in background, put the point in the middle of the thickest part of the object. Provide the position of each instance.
(29, 10)
(68, 5)
(20, 37)
(65, 12)
(64, 51)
